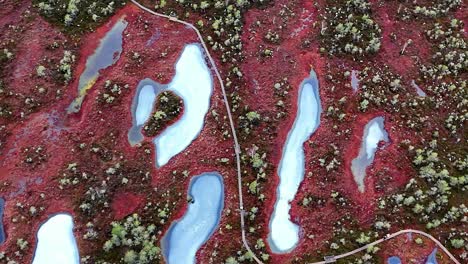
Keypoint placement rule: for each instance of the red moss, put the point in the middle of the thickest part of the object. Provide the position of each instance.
(294, 58)
(124, 204)
(11, 12)
(406, 66)
(387, 156)
(409, 251)
(391, 160)
(60, 134)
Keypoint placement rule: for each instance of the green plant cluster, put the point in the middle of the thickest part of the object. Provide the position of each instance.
(133, 242)
(348, 28)
(77, 16)
(168, 108)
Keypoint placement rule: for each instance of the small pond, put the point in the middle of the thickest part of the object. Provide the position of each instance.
(2, 231)
(354, 80)
(187, 235)
(56, 243)
(432, 258)
(374, 132)
(394, 260)
(107, 53)
(142, 108)
(419, 91)
(284, 234)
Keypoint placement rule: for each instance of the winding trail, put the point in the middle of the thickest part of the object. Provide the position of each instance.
(328, 259)
(231, 121)
(331, 259)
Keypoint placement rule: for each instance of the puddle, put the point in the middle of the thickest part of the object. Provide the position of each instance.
(409, 236)
(374, 132)
(354, 80)
(419, 91)
(432, 258)
(284, 234)
(154, 37)
(56, 243)
(394, 260)
(187, 235)
(107, 53)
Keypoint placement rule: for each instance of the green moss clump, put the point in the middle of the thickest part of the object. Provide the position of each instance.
(348, 28)
(132, 242)
(77, 16)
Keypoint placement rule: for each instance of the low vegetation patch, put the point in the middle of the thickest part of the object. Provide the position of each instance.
(348, 28)
(77, 16)
(167, 109)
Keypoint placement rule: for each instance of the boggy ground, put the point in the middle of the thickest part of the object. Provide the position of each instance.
(82, 164)
(328, 198)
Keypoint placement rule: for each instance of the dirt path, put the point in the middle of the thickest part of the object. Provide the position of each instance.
(328, 259)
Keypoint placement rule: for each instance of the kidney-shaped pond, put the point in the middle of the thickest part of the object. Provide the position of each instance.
(193, 83)
(187, 235)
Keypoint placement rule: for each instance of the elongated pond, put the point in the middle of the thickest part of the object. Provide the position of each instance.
(284, 234)
(374, 132)
(56, 243)
(2, 231)
(418, 89)
(107, 53)
(354, 80)
(187, 235)
(142, 108)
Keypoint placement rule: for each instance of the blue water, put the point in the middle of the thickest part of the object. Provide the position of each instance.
(410, 236)
(419, 91)
(154, 37)
(193, 83)
(394, 260)
(284, 234)
(374, 132)
(143, 103)
(107, 53)
(56, 243)
(2, 231)
(187, 235)
(431, 259)
(354, 80)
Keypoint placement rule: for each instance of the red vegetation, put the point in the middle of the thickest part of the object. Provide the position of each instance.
(159, 43)
(294, 58)
(406, 248)
(125, 204)
(61, 135)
